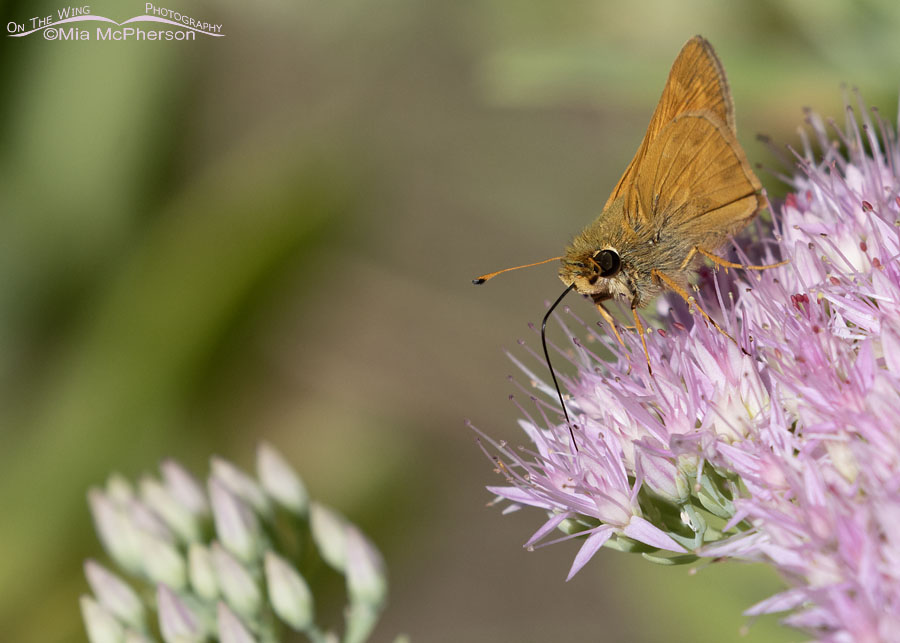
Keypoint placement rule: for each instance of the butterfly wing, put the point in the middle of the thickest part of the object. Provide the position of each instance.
(696, 84)
(694, 182)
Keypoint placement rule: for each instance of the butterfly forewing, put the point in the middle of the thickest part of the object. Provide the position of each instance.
(696, 83)
(695, 182)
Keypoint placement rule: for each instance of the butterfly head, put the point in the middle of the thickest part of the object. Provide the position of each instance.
(595, 272)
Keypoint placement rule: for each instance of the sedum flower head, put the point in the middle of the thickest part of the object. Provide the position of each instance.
(226, 564)
(786, 452)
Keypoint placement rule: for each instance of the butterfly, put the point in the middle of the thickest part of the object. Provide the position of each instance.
(688, 189)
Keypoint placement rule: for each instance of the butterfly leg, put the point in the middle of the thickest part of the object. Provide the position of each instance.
(688, 259)
(609, 320)
(730, 264)
(668, 281)
(640, 330)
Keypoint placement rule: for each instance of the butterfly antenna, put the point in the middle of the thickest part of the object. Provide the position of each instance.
(550, 366)
(480, 280)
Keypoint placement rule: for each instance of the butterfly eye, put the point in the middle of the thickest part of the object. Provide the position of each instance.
(609, 263)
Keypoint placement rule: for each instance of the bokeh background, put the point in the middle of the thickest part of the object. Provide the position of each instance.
(271, 235)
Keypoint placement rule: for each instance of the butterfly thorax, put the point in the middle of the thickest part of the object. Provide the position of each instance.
(615, 256)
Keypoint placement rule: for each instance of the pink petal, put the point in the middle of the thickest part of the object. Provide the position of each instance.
(593, 543)
(642, 530)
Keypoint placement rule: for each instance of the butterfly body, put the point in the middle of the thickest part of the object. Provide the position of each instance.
(629, 238)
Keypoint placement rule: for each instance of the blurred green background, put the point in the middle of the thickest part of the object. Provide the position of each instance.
(271, 235)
